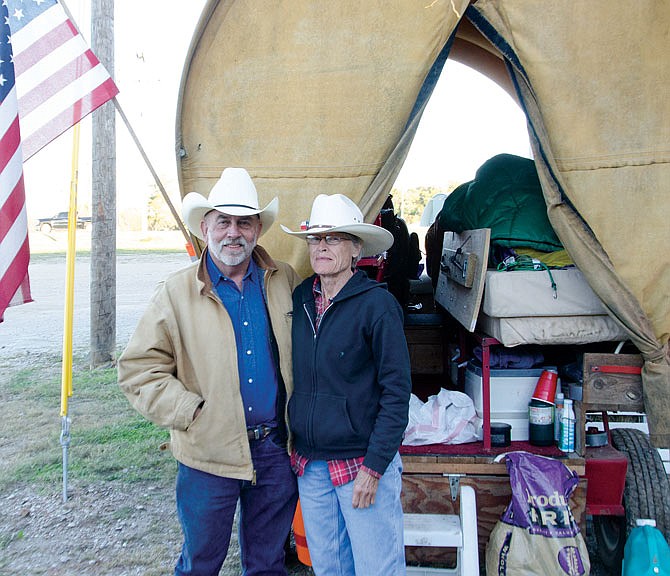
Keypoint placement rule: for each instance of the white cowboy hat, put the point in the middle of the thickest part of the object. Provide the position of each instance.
(337, 213)
(234, 194)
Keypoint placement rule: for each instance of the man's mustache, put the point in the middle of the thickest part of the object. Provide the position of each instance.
(240, 240)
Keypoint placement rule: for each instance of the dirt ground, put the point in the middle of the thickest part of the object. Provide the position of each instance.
(105, 529)
(102, 530)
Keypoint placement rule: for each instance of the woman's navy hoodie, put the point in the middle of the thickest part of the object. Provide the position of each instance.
(351, 378)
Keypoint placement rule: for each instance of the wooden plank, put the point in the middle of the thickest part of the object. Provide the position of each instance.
(456, 468)
(475, 458)
(460, 266)
(427, 349)
(419, 334)
(607, 389)
(430, 494)
(460, 301)
(494, 469)
(426, 359)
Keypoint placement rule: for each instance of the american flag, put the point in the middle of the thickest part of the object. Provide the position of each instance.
(58, 82)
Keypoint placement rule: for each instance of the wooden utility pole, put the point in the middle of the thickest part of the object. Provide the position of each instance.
(103, 237)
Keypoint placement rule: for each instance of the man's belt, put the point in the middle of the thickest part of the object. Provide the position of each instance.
(258, 432)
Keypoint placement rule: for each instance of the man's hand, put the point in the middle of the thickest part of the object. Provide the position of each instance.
(365, 488)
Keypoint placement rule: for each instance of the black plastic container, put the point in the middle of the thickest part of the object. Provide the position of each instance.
(501, 434)
(540, 423)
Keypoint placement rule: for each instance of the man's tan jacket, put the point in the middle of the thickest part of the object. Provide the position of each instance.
(183, 352)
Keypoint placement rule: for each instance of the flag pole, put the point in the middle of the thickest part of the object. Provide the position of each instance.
(162, 189)
(188, 237)
(66, 374)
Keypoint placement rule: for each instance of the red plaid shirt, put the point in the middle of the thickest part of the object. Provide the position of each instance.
(341, 471)
(320, 303)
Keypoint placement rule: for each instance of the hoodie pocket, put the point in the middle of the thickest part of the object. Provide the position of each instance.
(332, 427)
(322, 422)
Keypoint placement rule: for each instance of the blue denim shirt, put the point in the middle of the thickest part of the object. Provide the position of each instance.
(247, 311)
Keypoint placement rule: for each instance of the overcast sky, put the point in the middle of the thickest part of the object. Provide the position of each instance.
(152, 39)
(468, 119)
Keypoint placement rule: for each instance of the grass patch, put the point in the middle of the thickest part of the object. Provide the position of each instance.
(8, 538)
(109, 440)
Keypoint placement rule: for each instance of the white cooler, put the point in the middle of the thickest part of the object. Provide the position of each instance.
(511, 391)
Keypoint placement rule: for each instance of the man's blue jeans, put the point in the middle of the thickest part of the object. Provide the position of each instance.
(347, 541)
(206, 508)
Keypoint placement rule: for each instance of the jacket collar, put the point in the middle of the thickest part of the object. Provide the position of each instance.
(357, 284)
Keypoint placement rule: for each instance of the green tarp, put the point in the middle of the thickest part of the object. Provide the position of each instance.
(505, 196)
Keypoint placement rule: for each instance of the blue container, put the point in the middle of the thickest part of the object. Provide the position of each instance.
(646, 552)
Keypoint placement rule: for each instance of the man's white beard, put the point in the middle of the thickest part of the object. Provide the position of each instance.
(231, 259)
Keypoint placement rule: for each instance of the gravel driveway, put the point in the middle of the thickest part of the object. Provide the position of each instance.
(39, 324)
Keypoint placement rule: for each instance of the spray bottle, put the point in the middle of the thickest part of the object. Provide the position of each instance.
(567, 439)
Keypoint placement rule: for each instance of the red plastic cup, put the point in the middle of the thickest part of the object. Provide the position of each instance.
(545, 389)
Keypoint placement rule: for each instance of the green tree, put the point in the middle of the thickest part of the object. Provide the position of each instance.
(159, 216)
(411, 203)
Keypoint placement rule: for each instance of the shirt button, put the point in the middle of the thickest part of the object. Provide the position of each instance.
(248, 352)
(251, 380)
(250, 408)
(245, 323)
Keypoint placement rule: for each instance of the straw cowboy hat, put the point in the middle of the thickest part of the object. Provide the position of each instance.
(234, 194)
(337, 213)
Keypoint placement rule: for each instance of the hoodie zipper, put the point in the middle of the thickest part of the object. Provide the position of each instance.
(312, 399)
(310, 406)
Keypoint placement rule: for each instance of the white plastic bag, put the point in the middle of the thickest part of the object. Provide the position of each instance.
(447, 418)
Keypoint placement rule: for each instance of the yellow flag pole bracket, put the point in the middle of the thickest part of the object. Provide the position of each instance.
(65, 444)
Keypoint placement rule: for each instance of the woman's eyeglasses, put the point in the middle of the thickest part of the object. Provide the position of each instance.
(314, 240)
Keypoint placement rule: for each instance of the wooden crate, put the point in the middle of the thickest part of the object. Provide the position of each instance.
(427, 349)
(426, 490)
(612, 383)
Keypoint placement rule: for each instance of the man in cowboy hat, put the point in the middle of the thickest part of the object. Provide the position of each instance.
(211, 360)
(351, 395)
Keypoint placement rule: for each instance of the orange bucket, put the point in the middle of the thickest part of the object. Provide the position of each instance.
(300, 538)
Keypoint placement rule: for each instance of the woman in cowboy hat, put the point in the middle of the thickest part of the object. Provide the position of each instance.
(350, 401)
(211, 360)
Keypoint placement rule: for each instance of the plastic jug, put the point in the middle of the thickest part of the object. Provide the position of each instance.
(646, 552)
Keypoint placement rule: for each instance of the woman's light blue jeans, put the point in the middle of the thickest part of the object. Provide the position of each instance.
(344, 541)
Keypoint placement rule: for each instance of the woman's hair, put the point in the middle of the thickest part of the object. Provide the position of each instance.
(357, 242)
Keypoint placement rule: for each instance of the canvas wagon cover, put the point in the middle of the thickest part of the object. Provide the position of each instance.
(324, 97)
